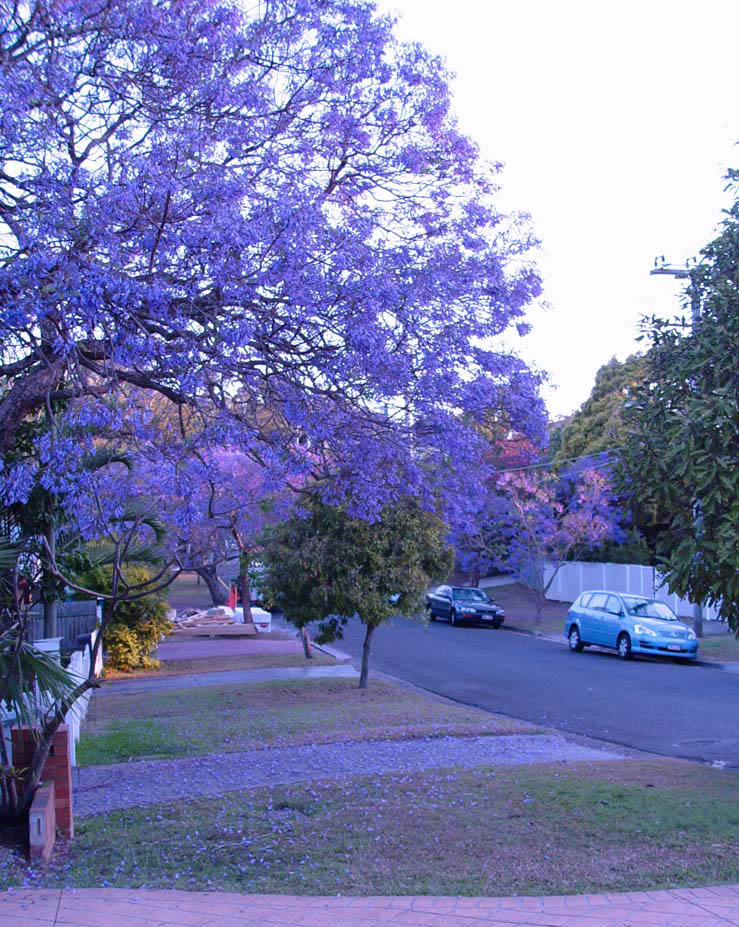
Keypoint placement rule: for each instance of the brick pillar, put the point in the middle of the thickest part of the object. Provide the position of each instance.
(57, 768)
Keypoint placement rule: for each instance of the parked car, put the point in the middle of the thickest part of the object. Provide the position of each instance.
(463, 603)
(628, 624)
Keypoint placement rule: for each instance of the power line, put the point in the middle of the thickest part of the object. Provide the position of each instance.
(556, 463)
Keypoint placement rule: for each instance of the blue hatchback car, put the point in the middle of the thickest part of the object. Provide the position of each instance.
(629, 624)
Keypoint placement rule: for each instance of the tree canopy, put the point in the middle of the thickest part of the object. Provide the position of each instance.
(545, 520)
(324, 566)
(265, 214)
(682, 453)
(598, 424)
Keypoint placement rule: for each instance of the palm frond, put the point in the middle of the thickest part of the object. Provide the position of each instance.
(32, 680)
(103, 553)
(9, 554)
(138, 510)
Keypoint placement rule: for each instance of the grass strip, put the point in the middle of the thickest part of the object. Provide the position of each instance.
(719, 648)
(244, 661)
(220, 719)
(562, 828)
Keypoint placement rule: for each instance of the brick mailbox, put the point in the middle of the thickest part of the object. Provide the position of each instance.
(42, 823)
(56, 769)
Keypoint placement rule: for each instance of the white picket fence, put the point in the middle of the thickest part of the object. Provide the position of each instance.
(574, 578)
(79, 665)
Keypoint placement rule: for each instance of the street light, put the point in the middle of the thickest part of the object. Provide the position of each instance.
(686, 273)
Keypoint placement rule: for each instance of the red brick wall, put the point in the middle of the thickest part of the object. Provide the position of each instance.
(57, 768)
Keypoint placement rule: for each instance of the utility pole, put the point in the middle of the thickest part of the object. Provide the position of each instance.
(687, 273)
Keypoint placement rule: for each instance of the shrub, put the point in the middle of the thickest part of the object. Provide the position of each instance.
(137, 625)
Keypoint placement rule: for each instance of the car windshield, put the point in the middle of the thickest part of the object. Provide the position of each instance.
(470, 595)
(648, 608)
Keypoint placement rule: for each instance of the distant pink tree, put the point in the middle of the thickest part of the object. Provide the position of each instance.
(550, 518)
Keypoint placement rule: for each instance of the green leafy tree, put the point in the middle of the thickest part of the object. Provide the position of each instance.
(323, 565)
(598, 425)
(599, 429)
(682, 452)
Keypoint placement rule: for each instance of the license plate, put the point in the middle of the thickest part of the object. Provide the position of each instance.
(486, 617)
(674, 647)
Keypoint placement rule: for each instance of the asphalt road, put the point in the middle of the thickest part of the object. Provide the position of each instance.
(662, 707)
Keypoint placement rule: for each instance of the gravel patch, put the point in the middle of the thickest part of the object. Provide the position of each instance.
(98, 789)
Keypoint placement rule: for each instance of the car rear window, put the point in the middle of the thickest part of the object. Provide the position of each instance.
(597, 600)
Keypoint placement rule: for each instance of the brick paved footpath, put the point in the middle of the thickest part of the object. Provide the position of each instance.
(699, 907)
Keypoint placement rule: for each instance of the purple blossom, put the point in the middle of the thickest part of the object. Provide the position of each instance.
(305, 255)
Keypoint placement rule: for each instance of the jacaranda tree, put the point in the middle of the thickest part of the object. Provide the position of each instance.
(234, 500)
(547, 519)
(264, 213)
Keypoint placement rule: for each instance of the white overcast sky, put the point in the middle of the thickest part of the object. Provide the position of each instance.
(616, 123)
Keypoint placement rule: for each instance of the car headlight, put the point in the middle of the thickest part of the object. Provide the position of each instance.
(691, 635)
(642, 629)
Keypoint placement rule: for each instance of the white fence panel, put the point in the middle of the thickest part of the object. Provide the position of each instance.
(574, 578)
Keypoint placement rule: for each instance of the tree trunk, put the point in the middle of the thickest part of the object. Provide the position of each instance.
(49, 597)
(244, 587)
(28, 394)
(218, 592)
(539, 588)
(365, 656)
(305, 638)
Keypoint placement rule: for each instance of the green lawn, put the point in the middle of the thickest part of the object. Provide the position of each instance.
(720, 648)
(564, 828)
(244, 661)
(217, 719)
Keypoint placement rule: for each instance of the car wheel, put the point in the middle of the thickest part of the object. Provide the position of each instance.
(432, 616)
(497, 624)
(624, 646)
(574, 639)
(453, 618)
